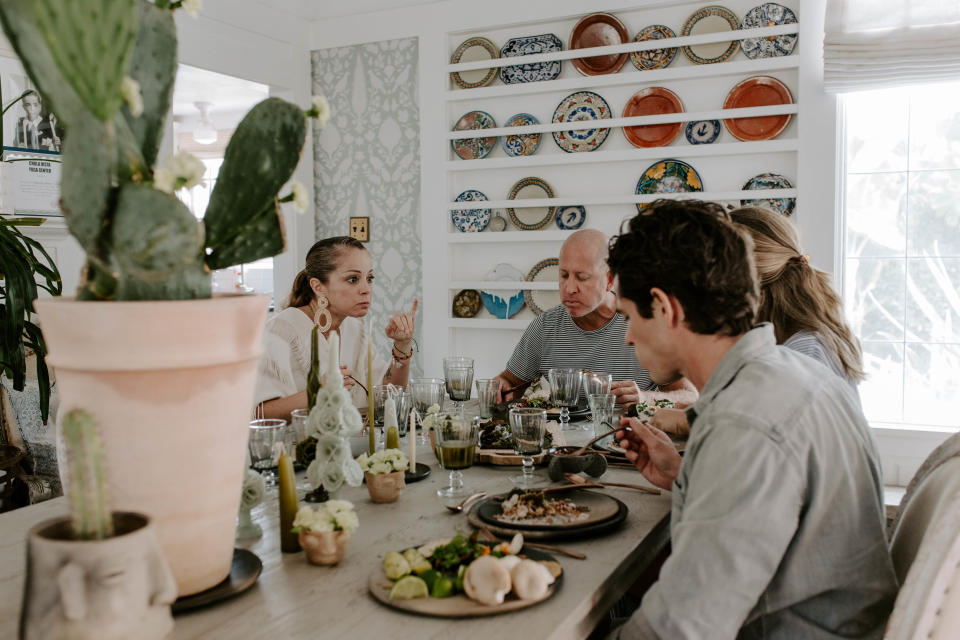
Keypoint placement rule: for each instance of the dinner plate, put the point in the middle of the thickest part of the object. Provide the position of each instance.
(601, 507)
(531, 218)
(471, 220)
(769, 14)
(758, 91)
(587, 531)
(458, 606)
(654, 58)
(577, 107)
(474, 50)
(599, 30)
(539, 300)
(503, 303)
(571, 217)
(668, 176)
(474, 148)
(523, 144)
(702, 131)
(527, 46)
(712, 19)
(648, 102)
(770, 181)
(466, 304)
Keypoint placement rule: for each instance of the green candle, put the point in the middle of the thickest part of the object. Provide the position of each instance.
(288, 504)
(373, 437)
(390, 423)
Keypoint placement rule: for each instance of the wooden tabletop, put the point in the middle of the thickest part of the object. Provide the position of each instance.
(293, 599)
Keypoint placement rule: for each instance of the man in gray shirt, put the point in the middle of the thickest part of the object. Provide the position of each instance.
(777, 526)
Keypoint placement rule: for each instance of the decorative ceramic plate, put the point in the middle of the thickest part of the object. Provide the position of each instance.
(458, 606)
(521, 145)
(474, 148)
(713, 19)
(758, 91)
(244, 571)
(471, 220)
(497, 222)
(474, 50)
(530, 72)
(770, 181)
(668, 176)
(571, 217)
(466, 304)
(702, 131)
(599, 30)
(654, 58)
(577, 107)
(767, 15)
(531, 218)
(499, 302)
(544, 271)
(648, 102)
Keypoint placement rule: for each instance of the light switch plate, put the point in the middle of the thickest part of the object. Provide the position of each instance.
(360, 229)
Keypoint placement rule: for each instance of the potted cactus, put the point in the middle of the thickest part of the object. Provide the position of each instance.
(167, 370)
(97, 573)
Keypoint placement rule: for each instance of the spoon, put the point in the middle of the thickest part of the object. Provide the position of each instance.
(583, 482)
(491, 537)
(466, 503)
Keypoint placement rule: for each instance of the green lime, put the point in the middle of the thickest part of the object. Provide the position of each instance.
(395, 565)
(442, 588)
(430, 577)
(409, 587)
(462, 571)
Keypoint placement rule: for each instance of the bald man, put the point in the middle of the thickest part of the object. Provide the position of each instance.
(584, 331)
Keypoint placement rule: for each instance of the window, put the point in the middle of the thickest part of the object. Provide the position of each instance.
(902, 251)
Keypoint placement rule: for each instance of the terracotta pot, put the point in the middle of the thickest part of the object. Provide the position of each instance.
(385, 487)
(171, 384)
(324, 548)
(110, 589)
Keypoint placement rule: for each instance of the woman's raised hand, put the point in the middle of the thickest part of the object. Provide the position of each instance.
(401, 325)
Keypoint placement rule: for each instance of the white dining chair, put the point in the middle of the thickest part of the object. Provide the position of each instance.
(925, 547)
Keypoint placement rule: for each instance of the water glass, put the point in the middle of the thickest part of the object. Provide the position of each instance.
(458, 374)
(528, 427)
(297, 430)
(404, 400)
(264, 436)
(604, 414)
(595, 382)
(487, 391)
(456, 448)
(427, 392)
(564, 391)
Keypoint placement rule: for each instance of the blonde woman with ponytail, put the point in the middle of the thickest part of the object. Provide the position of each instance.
(333, 291)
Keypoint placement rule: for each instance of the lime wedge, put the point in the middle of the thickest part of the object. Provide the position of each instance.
(395, 565)
(409, 587)
(442, 588)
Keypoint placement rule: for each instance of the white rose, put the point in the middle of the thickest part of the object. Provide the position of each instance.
(333, 477)
(253, 489)
(130, 89)
(348, 521)
(351, 422)
(315, 472)
(352, 473)
(331, 449)
(329, 421)
(363, 460)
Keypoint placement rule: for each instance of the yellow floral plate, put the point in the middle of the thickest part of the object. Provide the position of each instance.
(668, 176)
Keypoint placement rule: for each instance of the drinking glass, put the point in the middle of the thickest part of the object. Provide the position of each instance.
(265, 434)
(528, 426)
(604, 414)
(404, 400)
(456, 446)
(487, 395)
(458, 374)
(564, 391)
(595, 382)
(427, 392)
(297, 430)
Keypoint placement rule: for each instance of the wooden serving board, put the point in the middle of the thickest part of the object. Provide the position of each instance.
(507, 457)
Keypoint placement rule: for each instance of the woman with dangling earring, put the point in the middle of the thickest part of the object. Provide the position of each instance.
(334, 292)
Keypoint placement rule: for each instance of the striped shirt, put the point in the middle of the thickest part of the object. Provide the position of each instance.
(812, 346)
(554, 341)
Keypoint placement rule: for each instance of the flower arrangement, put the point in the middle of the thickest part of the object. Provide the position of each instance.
(250, 496)
(332, 515)
(433, 415)
(386, 461)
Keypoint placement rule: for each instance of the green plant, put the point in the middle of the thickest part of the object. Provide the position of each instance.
(89, 504)
(107, 68)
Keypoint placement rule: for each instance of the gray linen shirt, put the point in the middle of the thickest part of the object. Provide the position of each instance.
(777, 523)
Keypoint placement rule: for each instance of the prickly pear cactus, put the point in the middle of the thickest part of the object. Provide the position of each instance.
(89, 506)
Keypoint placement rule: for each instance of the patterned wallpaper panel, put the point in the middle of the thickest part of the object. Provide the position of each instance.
(367, 163)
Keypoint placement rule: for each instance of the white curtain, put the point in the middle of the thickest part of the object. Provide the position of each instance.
(880, 43)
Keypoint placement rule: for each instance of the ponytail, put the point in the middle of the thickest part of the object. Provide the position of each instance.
(301, 294)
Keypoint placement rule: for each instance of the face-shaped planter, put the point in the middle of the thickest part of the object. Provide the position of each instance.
(385, 487)
(324, 547)
(111, 589)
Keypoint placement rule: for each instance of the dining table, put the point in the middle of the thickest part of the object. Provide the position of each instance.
(294, 599)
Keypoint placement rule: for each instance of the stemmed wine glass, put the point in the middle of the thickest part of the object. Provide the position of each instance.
(265, 434)
(564, 391)
(458, 373)
(456, 448)
(426, 392)
(528, 425)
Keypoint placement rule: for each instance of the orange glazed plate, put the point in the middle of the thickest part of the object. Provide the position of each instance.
(599, 30)
(758, 91)
(648, 102)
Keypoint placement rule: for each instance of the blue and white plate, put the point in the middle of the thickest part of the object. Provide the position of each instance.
(531, 72)
(577, 107)
(503, 304)
(571, 217)
(471, 220)
(702, 131)
(767, 15)
(770, 181)
(521, 145)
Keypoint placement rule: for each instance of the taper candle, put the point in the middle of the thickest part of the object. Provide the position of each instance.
(289, 542)
(390, 423)
(372, 448)
(412, 434)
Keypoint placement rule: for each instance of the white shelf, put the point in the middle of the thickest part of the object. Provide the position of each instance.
(652, 76)
(679, 152)
(503, 285)
(508, 236)
(754, 194)
(610, 123)
(487, 323)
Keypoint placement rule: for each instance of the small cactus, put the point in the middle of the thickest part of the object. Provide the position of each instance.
(89, 506)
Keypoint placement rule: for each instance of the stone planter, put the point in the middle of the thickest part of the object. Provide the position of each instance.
(325, 548)
(171, 384)
(385, 487)
(112, 589)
